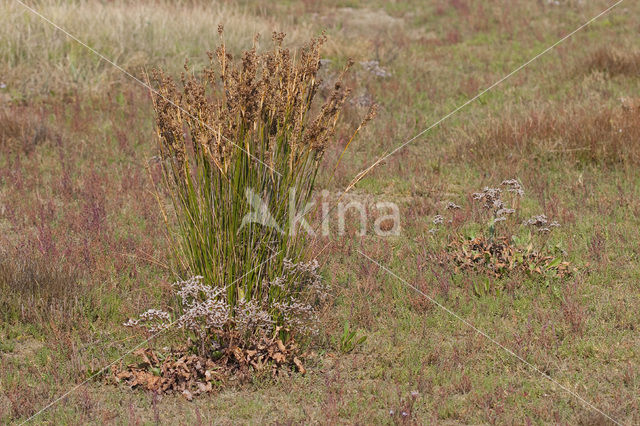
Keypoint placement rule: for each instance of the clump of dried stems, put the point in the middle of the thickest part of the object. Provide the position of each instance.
(242, 129)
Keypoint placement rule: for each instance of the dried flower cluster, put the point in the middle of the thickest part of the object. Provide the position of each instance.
(207, 314)
(490, 197)
(514, 187)
(374, 68)
(453, 206)
(491, 200)
(541, 223)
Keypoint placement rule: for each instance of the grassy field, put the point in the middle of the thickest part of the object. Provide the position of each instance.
(82, 243)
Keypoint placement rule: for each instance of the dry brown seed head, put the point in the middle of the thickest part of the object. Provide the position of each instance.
(278, 37)
(373, 111)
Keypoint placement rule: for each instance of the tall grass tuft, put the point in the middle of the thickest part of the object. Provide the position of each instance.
(240, 145)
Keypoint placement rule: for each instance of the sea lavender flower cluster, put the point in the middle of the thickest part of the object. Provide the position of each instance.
(298, 316)
(514, 187)
(203, 309)
(251, 318)
(541, 223)
(307, 279)
(491, 201)
(437, 221)
(206, 311)
(452, 206)
(374, 68)
(363, 101)
(490, 198)
(153, 319)
(505, 211)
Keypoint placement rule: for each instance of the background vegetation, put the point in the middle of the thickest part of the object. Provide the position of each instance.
(82, 248)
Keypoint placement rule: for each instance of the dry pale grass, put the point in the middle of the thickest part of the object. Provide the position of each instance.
(34, 56)
(35, 290)
(614, 61)
(592, 133)
(361, 33)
